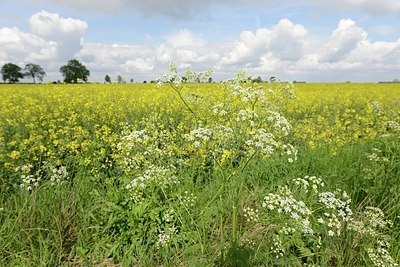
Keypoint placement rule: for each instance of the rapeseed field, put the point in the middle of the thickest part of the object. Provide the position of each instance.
(237, 173)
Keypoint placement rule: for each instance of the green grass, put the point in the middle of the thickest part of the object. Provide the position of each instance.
(199, 206)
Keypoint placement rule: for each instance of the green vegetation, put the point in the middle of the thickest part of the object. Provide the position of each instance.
(234, 174)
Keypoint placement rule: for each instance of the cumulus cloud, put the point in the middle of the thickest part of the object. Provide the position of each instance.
(18, 46)
(51, 41)
(285, 49)
(284, 40)
(184, 38)
(343, 40)
(66, 33)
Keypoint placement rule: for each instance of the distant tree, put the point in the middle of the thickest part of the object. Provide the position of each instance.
(272, 79)
(132, 80)
(74, 71)
(257, 80)
(120, 79)
(11, 72)
(144, 81)
(396, 81)
(107, 79)
(210, 80)
(34, 71)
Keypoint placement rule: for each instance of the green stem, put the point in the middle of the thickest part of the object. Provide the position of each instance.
(184, 101)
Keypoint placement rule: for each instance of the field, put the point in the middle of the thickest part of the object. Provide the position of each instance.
(221, 174)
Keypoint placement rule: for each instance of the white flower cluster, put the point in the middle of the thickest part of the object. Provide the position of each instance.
(263, 141)
(28, 180)
(376, 156)
(281, 124)
(223, 133)
(58, 175)
(309, 182)
(164, 237)
(338, 201)
(134, 138)
(247, 94)
(371, 222)
(375, 164)
(154, 175)
(250, 214)
(333, 223)
(277, 247)
(172, 77)
(188, 200)
(284, 202)
(221, 109)
(26, 168)
(394, 126)
(291, 152)
(246, 115)
(168, 216)
(134, 148)
(175, 80)
(199, 136)
(380, 257)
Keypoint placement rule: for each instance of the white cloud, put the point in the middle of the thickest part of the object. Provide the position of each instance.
(67, 33)
(139, 64)
(284, 40)
(20, 46)
(285, 49)
(52, 41)
(343, 40)
(185, 38)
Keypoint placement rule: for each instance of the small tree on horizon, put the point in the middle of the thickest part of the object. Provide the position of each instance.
(74, 71)
(120, 79)
(34, 71)
(107, 79)
(11, 72)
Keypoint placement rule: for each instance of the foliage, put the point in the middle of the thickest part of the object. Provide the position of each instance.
(107, 79)
(74, 71)
(120, 79)
(34, 71)
(233, 174)
(11, 72)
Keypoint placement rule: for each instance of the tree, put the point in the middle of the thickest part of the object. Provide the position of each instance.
(257, 80)
(74, 71)
(11, 72)
(34, 71)
(107, 79)
(120, 79)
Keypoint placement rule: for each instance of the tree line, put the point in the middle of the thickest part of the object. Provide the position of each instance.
(73, 72)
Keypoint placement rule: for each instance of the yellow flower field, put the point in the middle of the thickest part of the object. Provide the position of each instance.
(270, 174)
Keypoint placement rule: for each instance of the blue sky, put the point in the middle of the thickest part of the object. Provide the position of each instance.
(307, 40)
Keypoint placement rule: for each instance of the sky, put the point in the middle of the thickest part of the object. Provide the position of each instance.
(297, 40)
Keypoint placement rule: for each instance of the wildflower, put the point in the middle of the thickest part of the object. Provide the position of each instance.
(188, 200)
(58, 175)
(250, 214)
(164, 237)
